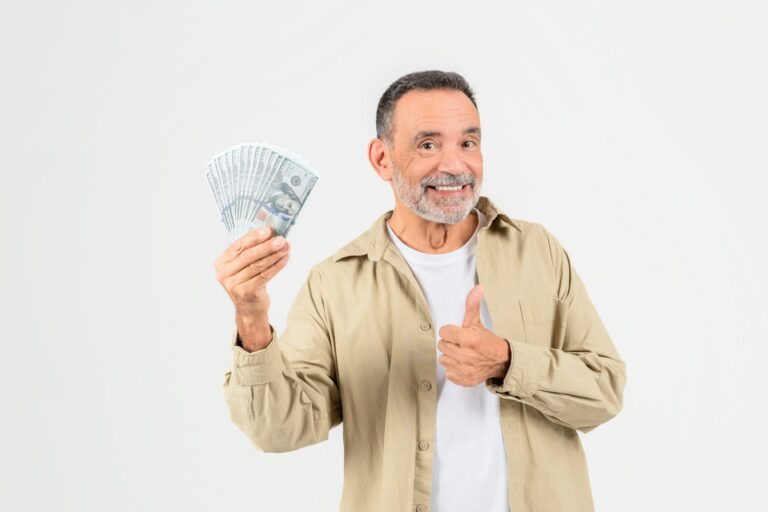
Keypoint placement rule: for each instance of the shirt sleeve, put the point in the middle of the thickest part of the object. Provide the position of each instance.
(285, 396)
(580, 385)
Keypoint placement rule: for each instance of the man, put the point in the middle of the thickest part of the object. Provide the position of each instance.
(457, 344)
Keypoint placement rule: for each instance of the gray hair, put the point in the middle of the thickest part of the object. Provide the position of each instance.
(419, 80)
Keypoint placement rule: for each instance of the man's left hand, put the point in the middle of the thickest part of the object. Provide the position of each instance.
(472, 353)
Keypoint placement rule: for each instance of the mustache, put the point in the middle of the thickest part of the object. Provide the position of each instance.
(448, 181)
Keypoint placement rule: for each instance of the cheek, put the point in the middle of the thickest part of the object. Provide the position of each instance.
(476, 163)
(477, 171)
(418, 172)
(411, 158)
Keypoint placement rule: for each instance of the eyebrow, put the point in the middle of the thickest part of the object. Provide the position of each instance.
(427, 133)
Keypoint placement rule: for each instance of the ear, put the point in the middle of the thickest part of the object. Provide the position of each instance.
(378, 155)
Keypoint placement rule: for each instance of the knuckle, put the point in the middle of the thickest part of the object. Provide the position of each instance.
(251, 253)
(249, 269)
(254, 264)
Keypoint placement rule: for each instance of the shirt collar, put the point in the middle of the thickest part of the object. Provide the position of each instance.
(374, 241)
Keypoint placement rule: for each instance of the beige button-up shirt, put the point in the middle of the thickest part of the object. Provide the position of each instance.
(359, 347)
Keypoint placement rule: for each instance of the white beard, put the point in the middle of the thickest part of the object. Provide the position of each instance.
(448, 210)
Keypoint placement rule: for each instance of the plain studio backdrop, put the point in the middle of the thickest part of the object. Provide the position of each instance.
(634, 131)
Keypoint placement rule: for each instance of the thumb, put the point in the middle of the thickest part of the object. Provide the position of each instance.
(472, 309)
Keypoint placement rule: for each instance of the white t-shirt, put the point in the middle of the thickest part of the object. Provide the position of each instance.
(470, 464)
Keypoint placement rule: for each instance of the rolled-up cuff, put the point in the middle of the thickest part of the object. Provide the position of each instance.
(259, 367)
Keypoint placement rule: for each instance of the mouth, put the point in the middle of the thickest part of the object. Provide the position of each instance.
(448, 191)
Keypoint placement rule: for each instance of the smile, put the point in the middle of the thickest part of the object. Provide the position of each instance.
(452, 190)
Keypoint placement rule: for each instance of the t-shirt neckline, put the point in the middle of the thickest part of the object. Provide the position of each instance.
(469, 247)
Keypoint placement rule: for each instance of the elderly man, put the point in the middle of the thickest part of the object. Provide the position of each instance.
(457, 344)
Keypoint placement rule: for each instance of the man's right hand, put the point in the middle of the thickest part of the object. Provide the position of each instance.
(244, 269)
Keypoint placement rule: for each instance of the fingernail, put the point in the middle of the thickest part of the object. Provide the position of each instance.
(277, 242)
(263, 231)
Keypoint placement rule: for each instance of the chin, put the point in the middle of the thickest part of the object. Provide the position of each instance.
(443, 215)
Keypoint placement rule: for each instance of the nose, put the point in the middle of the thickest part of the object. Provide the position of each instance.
(452, 160)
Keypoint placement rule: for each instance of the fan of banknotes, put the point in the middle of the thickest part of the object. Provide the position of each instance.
(257, 185)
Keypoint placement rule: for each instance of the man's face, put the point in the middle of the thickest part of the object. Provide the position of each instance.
(436, 136)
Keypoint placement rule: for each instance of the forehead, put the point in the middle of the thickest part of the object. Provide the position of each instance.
(446, 110)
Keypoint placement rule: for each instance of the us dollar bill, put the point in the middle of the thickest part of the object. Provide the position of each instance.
(259, 184)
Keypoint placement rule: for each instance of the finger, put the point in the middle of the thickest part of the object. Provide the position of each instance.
(258, 266)
(457, 379)
(472, 307)
(465, 337)
(274, 269)
(451, 350)
(251, 238)
(253, 254)
(448, 361)
(263, 277)
(451, 333)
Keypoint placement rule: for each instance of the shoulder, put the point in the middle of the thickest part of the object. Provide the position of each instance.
(503, 224)
(341, 262)
(529, 231)
(545, 241)
(531, 238)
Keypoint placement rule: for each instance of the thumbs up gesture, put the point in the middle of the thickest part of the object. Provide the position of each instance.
(472, 353)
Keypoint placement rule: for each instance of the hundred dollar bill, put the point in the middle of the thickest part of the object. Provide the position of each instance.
(285, 194)
(259, 184)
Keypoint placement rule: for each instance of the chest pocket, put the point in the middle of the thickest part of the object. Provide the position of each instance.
(544, 321)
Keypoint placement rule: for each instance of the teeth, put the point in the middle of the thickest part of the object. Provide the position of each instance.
(457, 187)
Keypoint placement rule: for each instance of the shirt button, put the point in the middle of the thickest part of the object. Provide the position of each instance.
(423, 445)
(425, 385)
(421, 508)
(425, 326)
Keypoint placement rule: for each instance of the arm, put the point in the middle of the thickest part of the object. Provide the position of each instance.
(579, 386)
(285, 396)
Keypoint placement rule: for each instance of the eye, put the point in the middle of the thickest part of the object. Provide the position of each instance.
(424, 144)
(471, 142)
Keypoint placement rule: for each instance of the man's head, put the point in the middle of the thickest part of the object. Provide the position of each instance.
(428, 138)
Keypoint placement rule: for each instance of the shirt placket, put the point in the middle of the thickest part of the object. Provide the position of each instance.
(426, 398)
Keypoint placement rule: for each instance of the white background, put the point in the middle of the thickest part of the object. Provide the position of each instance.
(634, 131)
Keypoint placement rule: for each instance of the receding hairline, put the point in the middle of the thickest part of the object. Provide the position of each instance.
(420, 81)
(429, 133)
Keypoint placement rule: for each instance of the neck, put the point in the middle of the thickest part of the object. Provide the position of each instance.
(430, 237)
